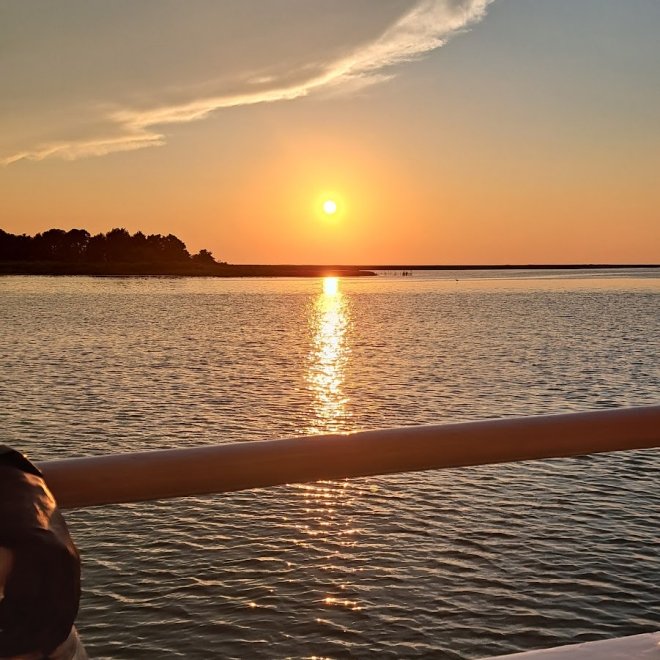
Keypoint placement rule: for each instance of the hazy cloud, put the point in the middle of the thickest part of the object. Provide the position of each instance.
(411, 35)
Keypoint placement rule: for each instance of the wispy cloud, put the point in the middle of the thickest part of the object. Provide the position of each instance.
(424, 28)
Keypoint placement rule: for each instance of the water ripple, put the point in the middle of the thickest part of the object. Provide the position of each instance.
(447, 564)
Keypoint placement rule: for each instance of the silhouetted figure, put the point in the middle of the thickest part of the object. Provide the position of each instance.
(39, 568)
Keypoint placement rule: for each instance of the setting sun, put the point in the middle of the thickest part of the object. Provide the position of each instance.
(329, 207)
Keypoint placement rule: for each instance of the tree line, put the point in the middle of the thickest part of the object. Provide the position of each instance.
(115, 246)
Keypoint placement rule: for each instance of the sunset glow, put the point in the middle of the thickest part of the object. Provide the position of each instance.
(407, 133)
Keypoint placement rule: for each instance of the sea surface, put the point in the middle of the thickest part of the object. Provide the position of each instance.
(460, 563)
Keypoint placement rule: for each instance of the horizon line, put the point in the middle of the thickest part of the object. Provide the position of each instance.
(491, 266)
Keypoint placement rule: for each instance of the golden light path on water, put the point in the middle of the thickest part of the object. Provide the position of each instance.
(329, 527)
(328, 357)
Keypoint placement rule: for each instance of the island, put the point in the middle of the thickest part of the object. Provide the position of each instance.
(118, 253)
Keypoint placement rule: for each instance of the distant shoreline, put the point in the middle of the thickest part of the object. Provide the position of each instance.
(511, 267)
(372, 267)
(266, 270)
(185, 269)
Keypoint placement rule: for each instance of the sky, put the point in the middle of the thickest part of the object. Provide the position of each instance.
(446, 131)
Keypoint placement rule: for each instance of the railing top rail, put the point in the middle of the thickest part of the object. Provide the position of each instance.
(224, 468)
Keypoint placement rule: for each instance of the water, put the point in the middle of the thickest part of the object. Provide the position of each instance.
(447, 564)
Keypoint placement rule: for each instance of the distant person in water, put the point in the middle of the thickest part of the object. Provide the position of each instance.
(39, 568)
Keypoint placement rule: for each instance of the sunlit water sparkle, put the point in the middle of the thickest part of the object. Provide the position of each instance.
(443, 564)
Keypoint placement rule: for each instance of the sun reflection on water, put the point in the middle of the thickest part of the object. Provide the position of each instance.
(330, 286)
(327, 527)
(328, 358)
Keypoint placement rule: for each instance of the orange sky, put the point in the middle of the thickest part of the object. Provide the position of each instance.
(532, 137)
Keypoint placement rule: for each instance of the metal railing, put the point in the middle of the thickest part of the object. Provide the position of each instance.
(150, 475)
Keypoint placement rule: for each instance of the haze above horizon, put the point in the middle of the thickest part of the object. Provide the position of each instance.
(344, 131)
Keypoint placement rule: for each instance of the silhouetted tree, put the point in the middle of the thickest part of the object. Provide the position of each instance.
(203, 257)
(76, 244)
(117, 246)
(50, 245)
(96, 249)
(14, 248)
(173, 249)
(139, 250)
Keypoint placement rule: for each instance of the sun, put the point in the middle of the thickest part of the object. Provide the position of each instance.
(329, 207)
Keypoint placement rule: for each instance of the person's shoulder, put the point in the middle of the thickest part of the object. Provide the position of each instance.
(12, 458)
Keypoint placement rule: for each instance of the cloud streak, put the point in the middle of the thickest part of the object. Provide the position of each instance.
(426, 27)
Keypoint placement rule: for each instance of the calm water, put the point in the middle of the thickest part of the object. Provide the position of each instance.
(447, 564)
